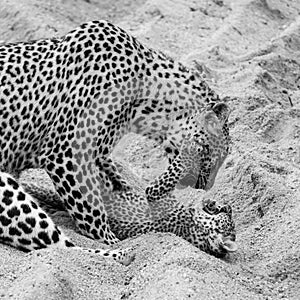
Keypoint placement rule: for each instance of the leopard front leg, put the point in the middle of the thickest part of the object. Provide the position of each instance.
(77, 181)
(166, 182)
(50, 200)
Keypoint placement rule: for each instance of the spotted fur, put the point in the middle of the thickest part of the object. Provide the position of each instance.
(201, 167)
(211, 228)
(130, 213)
(26, 226)
(65, 103)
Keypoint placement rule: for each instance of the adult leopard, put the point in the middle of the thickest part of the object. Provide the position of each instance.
(66, 102)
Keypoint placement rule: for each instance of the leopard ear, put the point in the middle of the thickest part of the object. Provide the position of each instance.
(211, 123)
(222, 111)
(230, 246)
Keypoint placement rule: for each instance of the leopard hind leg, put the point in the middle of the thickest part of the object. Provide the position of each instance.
(46, 198)
(26, 226)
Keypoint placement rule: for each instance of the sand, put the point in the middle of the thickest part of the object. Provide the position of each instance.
(250, 53)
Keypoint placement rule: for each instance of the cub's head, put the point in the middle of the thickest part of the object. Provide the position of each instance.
(214, 234)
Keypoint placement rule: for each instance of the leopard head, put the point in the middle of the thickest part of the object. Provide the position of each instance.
(214, 234)
(208, 147)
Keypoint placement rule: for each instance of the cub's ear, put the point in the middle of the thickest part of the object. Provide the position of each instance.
(222, 111)
(230, 246)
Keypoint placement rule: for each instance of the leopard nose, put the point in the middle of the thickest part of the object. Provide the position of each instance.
(198, 185)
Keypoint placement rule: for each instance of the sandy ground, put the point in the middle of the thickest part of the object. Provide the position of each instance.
(249, 50)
